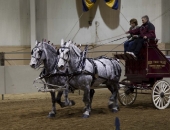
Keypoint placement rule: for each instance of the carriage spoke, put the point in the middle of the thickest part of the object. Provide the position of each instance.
(167, 89)
(157, 93)
(161, 87)
(157, 101)
(122, 97)
(161, 102)
(130, 99)
(164, 87)
(167, 94)
(123, 94)
(126, 101)
(157, 88)
(165, 101)
(131, 96)
(156, 96)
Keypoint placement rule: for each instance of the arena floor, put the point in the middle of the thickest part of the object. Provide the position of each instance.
(29, 112)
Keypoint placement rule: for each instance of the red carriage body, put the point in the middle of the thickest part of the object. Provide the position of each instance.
(147, 72)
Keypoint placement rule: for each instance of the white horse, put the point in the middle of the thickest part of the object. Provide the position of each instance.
(44, 53)
(90, 73)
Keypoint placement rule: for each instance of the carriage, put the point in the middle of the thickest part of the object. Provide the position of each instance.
(146, 73)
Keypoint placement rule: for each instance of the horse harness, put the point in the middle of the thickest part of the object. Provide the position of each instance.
(81, 65)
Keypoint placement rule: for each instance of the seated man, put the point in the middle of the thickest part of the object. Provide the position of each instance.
(145, 31)
(127, 44)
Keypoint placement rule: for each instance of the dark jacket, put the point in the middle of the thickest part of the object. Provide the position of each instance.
(147, 29)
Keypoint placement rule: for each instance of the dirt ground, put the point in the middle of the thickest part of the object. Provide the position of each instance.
(29, 112)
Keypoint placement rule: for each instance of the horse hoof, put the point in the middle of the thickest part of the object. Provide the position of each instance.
(114, 110)
(85, 116)
(51, 115)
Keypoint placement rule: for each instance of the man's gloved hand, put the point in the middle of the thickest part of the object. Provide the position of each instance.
(135, 36)
(145, 37)
(129, 36)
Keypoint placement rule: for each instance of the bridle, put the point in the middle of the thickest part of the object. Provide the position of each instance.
(39, 52)
(80, 57)
(68, 53)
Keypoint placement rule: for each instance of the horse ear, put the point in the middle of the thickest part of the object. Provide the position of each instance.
(58, 52)
(68, 43)
(62, 42)
(36, 43)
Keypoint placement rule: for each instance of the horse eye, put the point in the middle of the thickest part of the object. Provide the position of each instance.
(32, 52)
(40, 52)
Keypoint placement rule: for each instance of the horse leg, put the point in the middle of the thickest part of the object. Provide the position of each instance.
(67, 101)
(92, 91)
(53, 112)
(91, 96)
(58, 99)
(87, 102)
(113, 101)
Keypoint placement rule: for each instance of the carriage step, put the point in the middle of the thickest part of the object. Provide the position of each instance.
(125, 56)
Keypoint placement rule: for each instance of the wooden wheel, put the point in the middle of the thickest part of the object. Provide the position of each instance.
(127, 94)
(161, 94)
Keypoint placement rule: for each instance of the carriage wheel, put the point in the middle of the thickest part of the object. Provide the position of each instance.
(127, 94)
(161, 94)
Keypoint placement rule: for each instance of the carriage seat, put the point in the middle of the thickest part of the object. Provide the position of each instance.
(151, 42)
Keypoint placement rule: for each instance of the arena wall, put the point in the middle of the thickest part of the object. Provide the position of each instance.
(56, 18)
(19, 79)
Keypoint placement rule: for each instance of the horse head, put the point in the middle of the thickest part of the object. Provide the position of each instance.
(67, 52)
(40, 53)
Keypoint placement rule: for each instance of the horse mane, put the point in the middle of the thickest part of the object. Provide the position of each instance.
(50, 47)
(75, 47)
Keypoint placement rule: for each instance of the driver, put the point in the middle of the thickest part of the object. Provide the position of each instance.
(145, 31)
(127, 44)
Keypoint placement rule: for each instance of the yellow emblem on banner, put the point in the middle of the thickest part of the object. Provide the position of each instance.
(110, 3)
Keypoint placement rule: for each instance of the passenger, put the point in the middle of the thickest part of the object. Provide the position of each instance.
(145, 31)
(134, 25)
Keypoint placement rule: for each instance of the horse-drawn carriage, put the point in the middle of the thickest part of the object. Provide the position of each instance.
(146, 72)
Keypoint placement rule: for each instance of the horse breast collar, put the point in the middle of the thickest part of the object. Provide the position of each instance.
(95, 72)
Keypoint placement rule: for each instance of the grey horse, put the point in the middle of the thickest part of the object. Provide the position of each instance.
(44, 53)
(89, 73)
